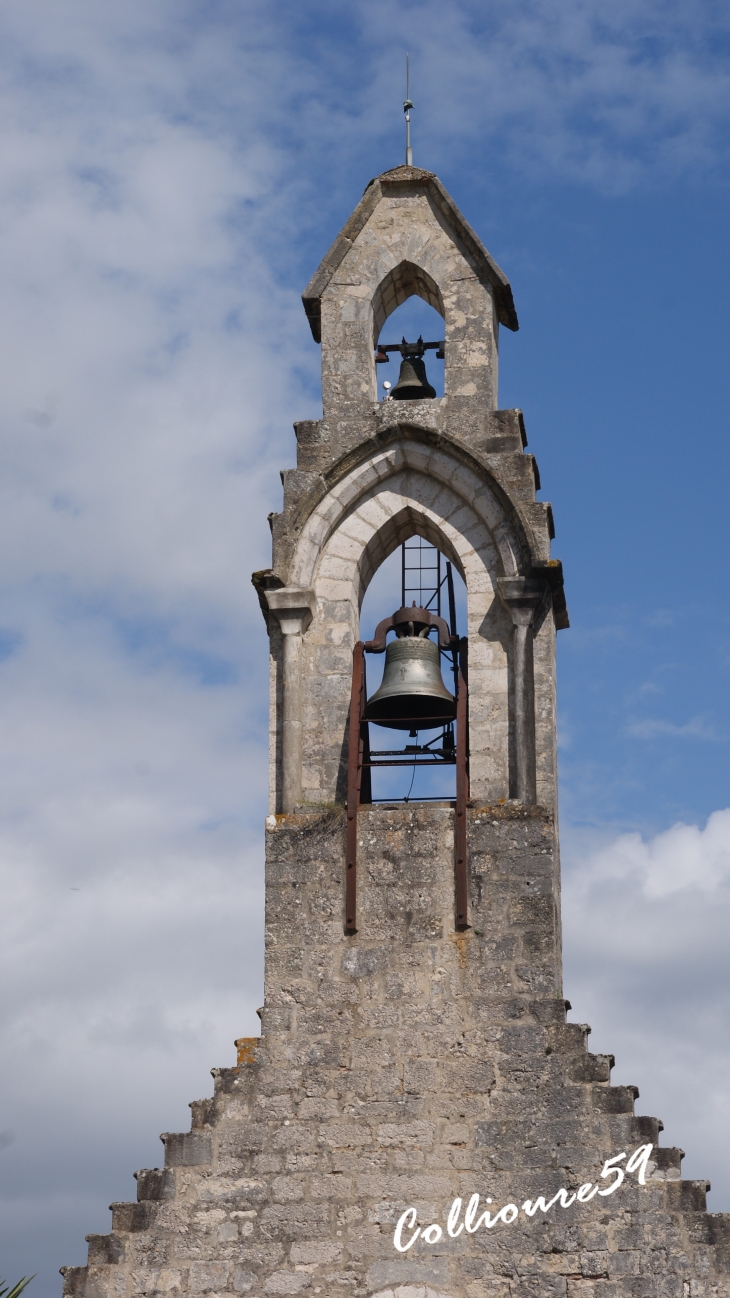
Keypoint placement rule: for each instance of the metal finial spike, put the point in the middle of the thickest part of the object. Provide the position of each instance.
(407, 106)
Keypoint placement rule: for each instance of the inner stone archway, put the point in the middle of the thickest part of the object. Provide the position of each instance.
(389, 510)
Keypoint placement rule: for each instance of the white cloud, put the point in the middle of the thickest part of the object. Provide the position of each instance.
(655, 728)
(647, 963)
(605, 98)
(144, 414)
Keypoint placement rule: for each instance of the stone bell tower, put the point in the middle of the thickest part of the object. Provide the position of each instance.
(417, 1119)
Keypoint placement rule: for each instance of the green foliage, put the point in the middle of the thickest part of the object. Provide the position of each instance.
(17, 1289)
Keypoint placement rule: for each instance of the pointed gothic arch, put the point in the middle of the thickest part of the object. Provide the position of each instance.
(452, 489)
(409, 487)
(411, 521)
(404, 280)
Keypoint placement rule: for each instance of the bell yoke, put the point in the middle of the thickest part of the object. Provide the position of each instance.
(413, 384)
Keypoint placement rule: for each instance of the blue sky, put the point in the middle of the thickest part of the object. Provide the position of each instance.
(170, 176)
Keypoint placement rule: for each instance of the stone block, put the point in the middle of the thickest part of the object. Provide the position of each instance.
(187, 1149)
(315, 1252)
(302, 1221)
(244, 1281)
(133, 1216)
(155, 1183)
(400, 1273)
(287, 1282)
(105, 1250)
(204, 1277)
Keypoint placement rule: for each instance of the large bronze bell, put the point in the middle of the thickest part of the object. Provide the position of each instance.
(412, 695)
(413, 384)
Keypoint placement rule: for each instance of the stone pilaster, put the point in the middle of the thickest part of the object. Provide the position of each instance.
(293, 610)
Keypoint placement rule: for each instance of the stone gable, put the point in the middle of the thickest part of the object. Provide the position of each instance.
(418, 1118)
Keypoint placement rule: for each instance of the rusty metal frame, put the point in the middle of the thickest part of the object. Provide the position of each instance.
(461, 881)
(354, 782)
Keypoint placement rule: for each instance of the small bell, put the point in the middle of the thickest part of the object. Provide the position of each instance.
(411, 689)
(413, 384)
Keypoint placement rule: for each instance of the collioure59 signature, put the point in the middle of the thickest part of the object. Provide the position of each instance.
(474, 1220)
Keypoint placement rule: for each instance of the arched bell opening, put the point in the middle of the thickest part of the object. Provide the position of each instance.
(418, 332)
(409, 487)
(408, 335)
(417, 761)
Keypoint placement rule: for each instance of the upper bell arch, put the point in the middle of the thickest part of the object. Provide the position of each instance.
(407, 181)
(403, 281)
(406, 236)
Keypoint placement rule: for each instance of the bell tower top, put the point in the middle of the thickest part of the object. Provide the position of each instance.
(405, 237)
(370, 474)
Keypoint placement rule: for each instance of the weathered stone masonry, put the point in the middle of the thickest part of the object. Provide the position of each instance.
(410, 1064)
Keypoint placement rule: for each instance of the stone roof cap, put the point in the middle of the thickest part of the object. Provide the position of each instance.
(408, 180)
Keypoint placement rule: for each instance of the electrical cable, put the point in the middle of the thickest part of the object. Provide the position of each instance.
(414, 772)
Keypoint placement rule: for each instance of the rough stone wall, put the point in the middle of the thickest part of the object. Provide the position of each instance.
(408, 1066)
